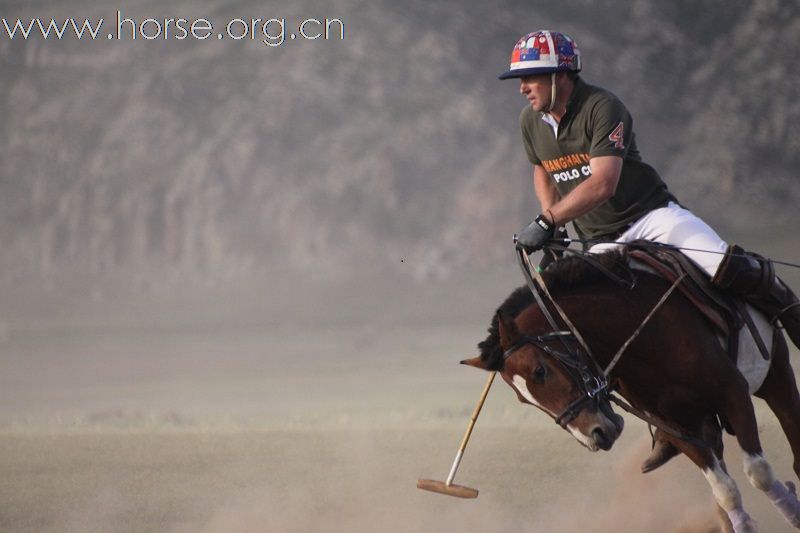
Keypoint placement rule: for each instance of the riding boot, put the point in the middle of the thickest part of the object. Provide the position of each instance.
(662, 452)
(753, 277)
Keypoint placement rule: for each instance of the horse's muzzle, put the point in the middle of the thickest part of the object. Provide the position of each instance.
(605, 433)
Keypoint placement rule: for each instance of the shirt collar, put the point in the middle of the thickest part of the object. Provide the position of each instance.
(548, 119)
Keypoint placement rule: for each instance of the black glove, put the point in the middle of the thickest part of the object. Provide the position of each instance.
(536, 234)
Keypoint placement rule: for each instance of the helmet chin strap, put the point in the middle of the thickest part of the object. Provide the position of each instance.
(552, 93)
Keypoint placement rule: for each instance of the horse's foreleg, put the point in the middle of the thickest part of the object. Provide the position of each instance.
(722, 486)
(759, 472)
(713, 433)
(728, 497)
(722, 514)
(725, 525)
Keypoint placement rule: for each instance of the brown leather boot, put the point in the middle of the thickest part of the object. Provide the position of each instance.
(753, 277)
(662, 452)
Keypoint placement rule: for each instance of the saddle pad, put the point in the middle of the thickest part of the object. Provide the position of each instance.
(751, 364)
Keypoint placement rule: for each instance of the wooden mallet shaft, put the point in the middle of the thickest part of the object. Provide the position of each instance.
(447, 487)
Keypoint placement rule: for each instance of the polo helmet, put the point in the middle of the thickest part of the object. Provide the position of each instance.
(543, 52)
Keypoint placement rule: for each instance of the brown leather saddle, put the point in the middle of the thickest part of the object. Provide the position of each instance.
(726, 313)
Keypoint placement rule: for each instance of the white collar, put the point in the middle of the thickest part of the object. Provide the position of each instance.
(548, 118)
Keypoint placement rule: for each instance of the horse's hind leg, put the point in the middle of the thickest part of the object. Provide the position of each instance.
(779, 390)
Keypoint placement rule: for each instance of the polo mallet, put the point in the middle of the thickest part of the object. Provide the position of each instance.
(447, 487)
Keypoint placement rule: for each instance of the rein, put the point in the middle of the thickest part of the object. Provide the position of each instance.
(582, 369)
(561, 244)
(592, 380)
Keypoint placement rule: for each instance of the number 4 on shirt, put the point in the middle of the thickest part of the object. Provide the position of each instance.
(616, 137)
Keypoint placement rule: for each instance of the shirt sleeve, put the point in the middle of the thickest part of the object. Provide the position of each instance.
(527, 138)
(611, 129)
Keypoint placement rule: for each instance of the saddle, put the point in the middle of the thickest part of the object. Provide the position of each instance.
(726, 314)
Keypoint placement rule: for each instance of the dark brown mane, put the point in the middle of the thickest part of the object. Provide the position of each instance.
(566, 275)
(574, 272)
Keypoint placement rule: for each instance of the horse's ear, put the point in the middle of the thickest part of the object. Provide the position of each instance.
(477, 362)
(508, 330)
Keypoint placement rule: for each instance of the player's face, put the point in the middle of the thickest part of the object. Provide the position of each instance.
(537, 90)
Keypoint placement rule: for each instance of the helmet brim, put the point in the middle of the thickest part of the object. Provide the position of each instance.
(521, 72)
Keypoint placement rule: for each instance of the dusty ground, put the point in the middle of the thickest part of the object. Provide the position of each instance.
(236, 431)
(340, 480)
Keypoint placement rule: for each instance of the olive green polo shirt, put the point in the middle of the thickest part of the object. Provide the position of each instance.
(596, 124)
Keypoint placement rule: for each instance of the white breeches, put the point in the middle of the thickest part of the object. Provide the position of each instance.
(679, 227)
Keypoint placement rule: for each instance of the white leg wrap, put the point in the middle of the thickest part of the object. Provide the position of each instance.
(741, 521)
(759, 472)
(728, 497)
(786, 502)
(723, 487)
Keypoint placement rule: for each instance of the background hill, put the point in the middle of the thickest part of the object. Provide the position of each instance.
(217, 163)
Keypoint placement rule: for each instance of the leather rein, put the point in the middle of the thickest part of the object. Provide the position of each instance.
(579, 364)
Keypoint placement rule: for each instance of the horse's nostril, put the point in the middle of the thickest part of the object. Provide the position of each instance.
(601, 439)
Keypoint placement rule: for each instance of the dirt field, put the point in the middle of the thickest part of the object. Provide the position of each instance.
(340, 480)
(224, 432)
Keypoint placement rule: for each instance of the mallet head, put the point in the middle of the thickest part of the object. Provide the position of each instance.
(443, 488)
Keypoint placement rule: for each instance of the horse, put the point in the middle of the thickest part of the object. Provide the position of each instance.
(675, 371)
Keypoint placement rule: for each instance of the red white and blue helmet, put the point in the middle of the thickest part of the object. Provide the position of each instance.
(542, 52)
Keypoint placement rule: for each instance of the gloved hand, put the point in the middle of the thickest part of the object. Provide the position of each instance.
(536, 234)
(550, 255)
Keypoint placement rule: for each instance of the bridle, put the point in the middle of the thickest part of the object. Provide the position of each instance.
(593, 386)
(578, 361)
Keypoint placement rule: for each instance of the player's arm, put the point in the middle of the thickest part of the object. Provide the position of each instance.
(592, 192)
(545, 189)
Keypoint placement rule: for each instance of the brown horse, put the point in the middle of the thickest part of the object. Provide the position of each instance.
(676, 371)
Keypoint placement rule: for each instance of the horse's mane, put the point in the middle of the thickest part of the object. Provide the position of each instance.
(565, 275)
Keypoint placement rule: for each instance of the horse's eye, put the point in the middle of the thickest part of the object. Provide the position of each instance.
(539, 374)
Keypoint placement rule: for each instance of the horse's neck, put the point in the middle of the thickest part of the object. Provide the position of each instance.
(607, 316)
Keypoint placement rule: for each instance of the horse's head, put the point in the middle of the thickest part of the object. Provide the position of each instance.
(543, 376)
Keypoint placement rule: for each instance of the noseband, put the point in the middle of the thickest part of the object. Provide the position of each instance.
(593, 385)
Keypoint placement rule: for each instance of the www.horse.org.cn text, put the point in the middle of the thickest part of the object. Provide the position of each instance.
(270, 31)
